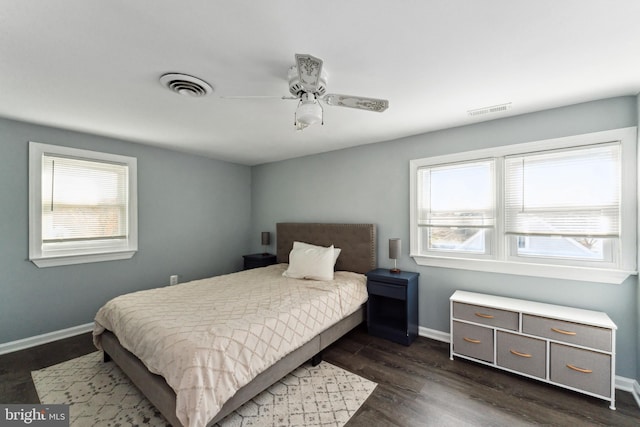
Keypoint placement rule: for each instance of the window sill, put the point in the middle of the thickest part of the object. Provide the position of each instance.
(55, 261)
(585, 274)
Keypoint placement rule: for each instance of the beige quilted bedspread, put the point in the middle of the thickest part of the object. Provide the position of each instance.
(208, 338)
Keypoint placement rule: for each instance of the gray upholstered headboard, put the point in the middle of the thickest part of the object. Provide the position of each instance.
(357, 242)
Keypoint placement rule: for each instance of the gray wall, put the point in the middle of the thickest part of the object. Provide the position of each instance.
(193, 220)
(371, 184)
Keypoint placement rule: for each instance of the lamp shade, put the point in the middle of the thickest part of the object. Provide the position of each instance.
(394, 248)
(266, 238)
(309, 113)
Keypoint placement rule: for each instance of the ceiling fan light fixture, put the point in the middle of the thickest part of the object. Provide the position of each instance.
(309, 112)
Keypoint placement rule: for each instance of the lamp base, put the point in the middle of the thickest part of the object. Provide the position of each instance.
(394, 270)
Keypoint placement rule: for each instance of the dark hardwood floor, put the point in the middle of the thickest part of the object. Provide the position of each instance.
(417, 386)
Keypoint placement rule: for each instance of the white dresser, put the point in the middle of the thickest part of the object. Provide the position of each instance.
(568, 347)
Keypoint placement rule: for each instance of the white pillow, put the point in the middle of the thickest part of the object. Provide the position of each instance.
(311, 262)
(336, 251)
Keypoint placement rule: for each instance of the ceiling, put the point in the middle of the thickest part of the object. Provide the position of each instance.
(94, 66)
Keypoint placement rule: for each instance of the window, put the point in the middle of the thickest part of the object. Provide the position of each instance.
(456, 208)
(564, 204)
(82, 206)
(561, 208)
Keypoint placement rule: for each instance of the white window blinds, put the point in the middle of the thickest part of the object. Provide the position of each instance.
(457, 195)
(83, 200)
(570, 192)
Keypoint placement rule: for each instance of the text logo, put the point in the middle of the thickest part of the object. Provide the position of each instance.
(34, 415)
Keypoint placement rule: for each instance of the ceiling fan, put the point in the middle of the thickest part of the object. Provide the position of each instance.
(308, 84)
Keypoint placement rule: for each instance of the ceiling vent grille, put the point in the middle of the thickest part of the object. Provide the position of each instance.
(186, 85)
(487, 110)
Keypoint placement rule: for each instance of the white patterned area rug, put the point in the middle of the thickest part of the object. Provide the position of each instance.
(100, 394)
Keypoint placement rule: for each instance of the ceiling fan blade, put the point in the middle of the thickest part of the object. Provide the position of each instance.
(370, 104)
(309, 70)
(256, 97)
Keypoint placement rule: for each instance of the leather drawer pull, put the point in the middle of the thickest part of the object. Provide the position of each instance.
(561, 331)
(575, 368)
(517, 353)
(484, 316)
(471, 340)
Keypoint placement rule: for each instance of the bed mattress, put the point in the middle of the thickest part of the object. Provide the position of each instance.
(208, 338)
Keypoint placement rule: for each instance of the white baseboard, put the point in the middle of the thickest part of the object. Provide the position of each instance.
(434, 334)
(630, 385)
(625, 384)
(22, 344)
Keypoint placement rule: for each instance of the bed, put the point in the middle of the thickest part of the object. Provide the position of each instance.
(357, 256)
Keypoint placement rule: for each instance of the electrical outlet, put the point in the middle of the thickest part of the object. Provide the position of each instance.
(173, 279)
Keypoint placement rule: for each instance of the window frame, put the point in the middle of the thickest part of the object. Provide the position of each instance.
(503, 261)
(84, 252)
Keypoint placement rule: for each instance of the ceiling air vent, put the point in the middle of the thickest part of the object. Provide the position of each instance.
(186, 85)
(487, 110)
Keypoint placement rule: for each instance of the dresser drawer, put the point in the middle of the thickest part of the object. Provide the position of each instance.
(582, 369)
(572, 333)
(473, 341)
(485, 315)
(387, 290)
(522, 354)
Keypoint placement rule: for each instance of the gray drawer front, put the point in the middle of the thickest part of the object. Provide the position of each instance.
(387, 290)
(485, 315)
(572, 333)
(473, 341)
(597, 381)
(522, 354)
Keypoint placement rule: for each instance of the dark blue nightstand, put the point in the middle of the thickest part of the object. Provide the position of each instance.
(392, 308)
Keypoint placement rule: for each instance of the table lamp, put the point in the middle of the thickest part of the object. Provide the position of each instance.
(266, 241)
(394, 253)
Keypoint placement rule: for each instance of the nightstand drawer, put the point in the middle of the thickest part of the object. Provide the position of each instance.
(582, 369)
(387, 290)
(485, 315)
(522, 354)
(573, 333)
(473, 341)
(258, 260)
